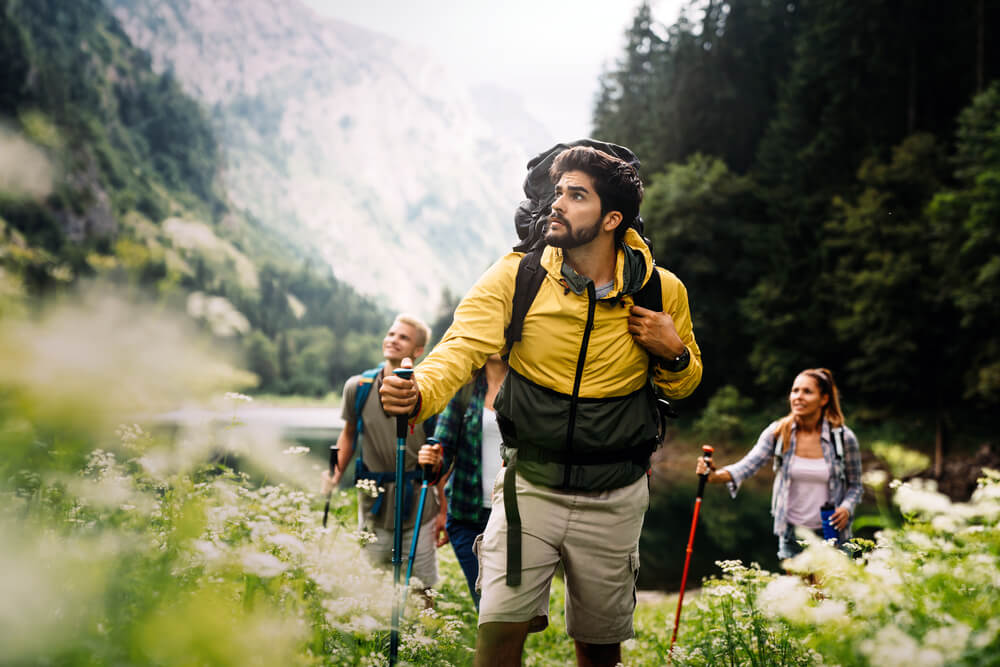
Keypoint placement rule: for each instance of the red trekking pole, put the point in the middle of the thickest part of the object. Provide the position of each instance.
(707, 449)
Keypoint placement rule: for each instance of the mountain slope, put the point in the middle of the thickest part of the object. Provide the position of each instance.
(348, 142)
(110, 170)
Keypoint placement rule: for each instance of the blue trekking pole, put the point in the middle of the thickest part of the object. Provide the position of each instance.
(397, 538)
(425, 474)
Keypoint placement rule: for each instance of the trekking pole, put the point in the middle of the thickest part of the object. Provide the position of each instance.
(707, 455)
(333, 471)
(397, 538)
(425, 474)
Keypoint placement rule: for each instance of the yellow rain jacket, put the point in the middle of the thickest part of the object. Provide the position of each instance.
(576, 407)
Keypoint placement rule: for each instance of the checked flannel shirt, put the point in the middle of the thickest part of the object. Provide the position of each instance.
(461, 437)
(846, 494)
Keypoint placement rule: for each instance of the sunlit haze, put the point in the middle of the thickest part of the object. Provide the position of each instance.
(549, 53)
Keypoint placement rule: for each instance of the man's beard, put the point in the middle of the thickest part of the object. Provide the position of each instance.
(573, 238)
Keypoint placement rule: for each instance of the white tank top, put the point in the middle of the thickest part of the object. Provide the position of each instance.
(491, 462)
(807, 491)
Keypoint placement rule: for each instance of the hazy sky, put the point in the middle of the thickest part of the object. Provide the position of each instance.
(550, 53)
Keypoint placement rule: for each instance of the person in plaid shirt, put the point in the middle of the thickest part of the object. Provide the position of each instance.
(809, 469)
(468, 432)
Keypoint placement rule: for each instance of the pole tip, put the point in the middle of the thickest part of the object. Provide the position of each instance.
(708, 449)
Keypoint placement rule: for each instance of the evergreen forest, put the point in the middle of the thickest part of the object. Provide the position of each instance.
(825, 178)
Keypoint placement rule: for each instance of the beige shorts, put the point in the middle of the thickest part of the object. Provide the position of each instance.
(595, 535)
(425, 568)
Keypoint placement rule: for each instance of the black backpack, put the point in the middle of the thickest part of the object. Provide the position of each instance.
(529, 222)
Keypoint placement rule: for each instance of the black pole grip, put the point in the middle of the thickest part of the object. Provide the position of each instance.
(702, 479)
(333, 469)
(426, 469)
(402, 420)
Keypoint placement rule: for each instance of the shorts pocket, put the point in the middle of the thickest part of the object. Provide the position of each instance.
(476, 548)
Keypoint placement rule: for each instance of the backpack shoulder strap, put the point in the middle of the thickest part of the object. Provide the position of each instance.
(838, 452)
(650, 296)
(838, 442)
(360, 398)
(530, 275)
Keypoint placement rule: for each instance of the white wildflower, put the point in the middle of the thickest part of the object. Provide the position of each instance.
(787, 597)
(723, 591)
(207, 551)
(946, 523)
(985, 636)
(921, 497)
(287, 542)
(261, 564)
(875, 478)
(950, 640)
(827, 612)
(891, 647)
(364, 537)
(369, 487)
(819, 557)
(362, 625)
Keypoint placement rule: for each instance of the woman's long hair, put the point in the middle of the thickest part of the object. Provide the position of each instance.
(831, 411)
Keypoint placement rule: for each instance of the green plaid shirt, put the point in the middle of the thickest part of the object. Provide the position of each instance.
(460, 433)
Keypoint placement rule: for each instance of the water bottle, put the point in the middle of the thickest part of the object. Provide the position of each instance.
(829, 531)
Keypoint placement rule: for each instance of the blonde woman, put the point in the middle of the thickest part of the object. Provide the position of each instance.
(816, 460)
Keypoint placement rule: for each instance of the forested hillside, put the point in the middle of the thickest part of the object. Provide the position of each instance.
(825, 178)
(317, 117)
(108, 170)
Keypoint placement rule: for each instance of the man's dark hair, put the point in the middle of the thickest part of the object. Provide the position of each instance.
(616, 181)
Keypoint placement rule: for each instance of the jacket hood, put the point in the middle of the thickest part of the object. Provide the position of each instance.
(633, 266)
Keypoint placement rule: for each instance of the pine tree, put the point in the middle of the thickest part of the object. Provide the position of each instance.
(967, 248)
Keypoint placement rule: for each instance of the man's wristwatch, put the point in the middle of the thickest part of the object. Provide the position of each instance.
(677, 364)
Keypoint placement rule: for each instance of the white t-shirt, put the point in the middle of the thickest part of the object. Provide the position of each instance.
(808, 489)
(491, 462)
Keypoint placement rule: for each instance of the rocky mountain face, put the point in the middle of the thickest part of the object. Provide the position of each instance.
(361, 149)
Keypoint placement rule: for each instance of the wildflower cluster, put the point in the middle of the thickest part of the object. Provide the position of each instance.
(370, 487)
(214, 560)
(922, 595)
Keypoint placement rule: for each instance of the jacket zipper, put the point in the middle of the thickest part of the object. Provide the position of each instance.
(591, 307)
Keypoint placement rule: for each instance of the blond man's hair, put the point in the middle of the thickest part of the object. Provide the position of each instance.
(423, 331)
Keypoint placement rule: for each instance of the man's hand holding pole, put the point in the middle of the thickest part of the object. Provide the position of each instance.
(398, 401)
(399, 395)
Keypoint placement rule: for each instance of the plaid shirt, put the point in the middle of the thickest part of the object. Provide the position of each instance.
(460, 433)
(846, 493)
